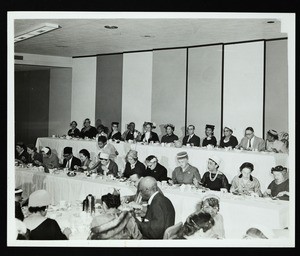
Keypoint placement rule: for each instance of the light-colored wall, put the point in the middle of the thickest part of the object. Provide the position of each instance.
(243, 87)
(83, 99)
(204, 88)
(169, 90)
(60, 100)
(137, 89)
(276, 100)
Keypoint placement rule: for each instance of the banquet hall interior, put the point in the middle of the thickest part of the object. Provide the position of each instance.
(227, 73)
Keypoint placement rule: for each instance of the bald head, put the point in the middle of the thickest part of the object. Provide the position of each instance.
(147, 186)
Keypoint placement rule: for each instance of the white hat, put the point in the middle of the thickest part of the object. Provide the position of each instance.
(216, 159)
(45, 150)
(39, 198)
(104, 155)
(18, 190)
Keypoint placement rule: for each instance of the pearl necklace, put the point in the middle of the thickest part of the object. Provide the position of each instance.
(213, 179)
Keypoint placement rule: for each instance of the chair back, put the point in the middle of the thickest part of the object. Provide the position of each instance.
(171, 231)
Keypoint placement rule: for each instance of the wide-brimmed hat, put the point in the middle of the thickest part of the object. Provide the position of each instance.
(39, 198)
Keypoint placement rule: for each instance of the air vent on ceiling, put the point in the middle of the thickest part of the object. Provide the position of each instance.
(18, 57)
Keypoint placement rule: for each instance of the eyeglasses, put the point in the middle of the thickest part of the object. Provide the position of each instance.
(66, 155)
(103, 159)
(248, 134)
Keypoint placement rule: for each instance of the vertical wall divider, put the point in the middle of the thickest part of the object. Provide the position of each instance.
(222, 91)
(186, 88)
(264, 91)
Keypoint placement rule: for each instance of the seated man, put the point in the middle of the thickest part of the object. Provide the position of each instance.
(160, 213)
(21, 155)
(191, 138)
(185, 173)
(50, 160)
(131, 133)
(155, 169)
(251, 142)
(69, 160)
(107, 147)
(106, 165)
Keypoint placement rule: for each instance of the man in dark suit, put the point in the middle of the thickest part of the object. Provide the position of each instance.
(191, 138)
(69, 160)
(160, 213)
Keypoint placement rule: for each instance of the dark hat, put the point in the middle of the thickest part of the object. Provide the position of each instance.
(170, 125)
(114, 123)
(68, 150)
(182, 155)
(273, 132)
(210, 126)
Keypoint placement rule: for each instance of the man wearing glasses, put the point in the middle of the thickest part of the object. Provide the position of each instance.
(107, 166)
(191, 139)
(251, 142)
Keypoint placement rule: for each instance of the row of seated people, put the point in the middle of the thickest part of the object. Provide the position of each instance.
(185, 173)
(249, 142)
(122, 220)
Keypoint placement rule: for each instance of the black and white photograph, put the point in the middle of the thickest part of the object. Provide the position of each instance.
(151, 129)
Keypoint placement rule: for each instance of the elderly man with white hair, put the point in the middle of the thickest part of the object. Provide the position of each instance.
(160, 211)
(213, 178)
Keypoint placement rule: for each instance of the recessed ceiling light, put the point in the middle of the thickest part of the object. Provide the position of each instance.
(110, 27)
(271, 21)
(44, 28)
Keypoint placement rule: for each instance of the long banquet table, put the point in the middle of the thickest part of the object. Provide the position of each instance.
(231, 160)
(239, 212)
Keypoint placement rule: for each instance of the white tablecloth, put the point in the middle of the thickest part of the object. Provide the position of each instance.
(231, 160)
(239, 213)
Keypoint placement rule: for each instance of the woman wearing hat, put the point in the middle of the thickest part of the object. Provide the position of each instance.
(210, 139)
(74, 131)
(228, 140)
(115, 134)
(106, 165)
(185, 173)
(133, 165)
(245, 183)
(41, 227)
(50, 160)
(113, 223)
(279, 187)
(169, 137)
(213, 178)
(273, 144)
(149, 135)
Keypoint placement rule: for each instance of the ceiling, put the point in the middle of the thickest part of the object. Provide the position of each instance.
(83, 37)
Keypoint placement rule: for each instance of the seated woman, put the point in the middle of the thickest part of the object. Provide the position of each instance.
(149, 135)
(169, 137)
(107, 166)
(42, 228)
(196, 227)
(213, 178)
(131, 133)
(34, 157)
(211, 204)
(88, 130)
(228, 140)
(50, 160)
(86, 162)
(245, 183)
(101, 131)
(21, 155)
(133, 165)
(113, 223)
(115, 134)
(273, 144)
(210, 139)
(74, 131)
(185, 173)
(279, 187)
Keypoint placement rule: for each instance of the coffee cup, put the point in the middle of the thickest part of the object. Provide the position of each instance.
(223, 190)
(29, 165)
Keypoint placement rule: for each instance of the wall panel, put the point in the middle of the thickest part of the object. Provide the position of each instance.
(169, 90)
(243, 87)
(204, 88)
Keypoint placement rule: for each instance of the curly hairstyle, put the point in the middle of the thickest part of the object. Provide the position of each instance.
(112, 201)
